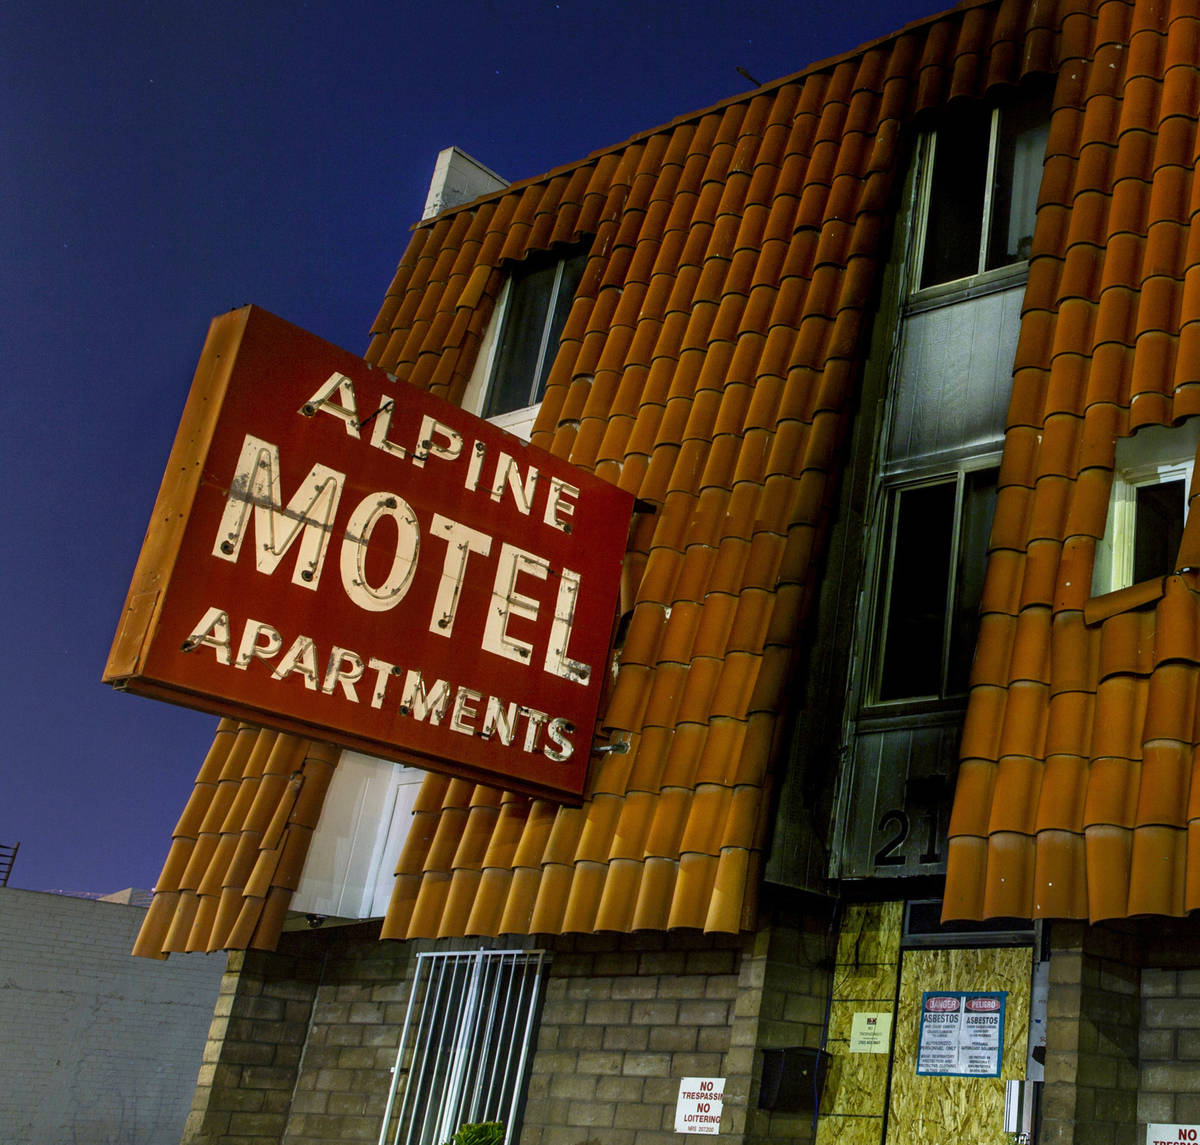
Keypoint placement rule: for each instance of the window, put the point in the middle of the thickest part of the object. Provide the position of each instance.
(936, 536)
(978, 177)
(943, 375)
(467, 1038)
(1148, 505)
(533, 311)
(979, 189)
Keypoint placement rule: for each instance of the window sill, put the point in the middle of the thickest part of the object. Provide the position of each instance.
(961, 289)
(518, 422)
(915, 713)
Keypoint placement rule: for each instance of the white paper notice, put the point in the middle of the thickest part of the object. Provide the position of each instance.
(698, 1109)
(962, 1034)
(870, 1033)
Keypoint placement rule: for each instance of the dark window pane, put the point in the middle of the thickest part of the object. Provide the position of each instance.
(1158, 529)
(572, 273)
(978, 508)
(530, 295)
(914, 628)
(954, 227)
(1020, 152)
(540, 296)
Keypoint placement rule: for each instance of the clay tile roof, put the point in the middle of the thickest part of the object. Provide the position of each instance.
(709, 367)
(1096, 824)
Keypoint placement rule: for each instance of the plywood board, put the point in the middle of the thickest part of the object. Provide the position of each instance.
(935, 1109)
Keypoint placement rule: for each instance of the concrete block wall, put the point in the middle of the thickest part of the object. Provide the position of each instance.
(1090, 1096)
(303, 1040)
(796, 974)
(625, 1018)
(1170, 1046)
(257, 1035)
(96, 1045)
(357, 1018)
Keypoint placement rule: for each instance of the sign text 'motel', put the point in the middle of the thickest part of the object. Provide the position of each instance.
(341, 555)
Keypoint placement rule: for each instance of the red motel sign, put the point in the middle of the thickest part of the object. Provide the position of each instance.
(338, 554)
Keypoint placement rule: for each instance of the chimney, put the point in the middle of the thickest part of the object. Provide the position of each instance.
(457, 179)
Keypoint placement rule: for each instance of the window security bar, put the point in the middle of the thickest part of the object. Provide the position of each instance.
(464, 1048)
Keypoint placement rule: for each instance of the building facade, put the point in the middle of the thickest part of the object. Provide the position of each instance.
(887, 834)
(96, 1046)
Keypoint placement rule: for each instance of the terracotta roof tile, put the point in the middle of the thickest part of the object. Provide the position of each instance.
(1010, 870)
(1060, 802)
(709, 365)
(1015, 794)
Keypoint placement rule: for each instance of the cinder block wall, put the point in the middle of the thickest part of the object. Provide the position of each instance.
(255, 1042)
(358, 1013)
(303, 1040)
(625, 1018)
(96, 1045)
(796, 975)
(1090, 1096)
(1170, 1046)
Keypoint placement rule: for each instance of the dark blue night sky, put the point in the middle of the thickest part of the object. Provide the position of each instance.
(166, 162)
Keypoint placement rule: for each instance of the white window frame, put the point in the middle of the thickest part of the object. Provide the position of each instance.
(1155, 455)
(468, 1035)
(519, 420)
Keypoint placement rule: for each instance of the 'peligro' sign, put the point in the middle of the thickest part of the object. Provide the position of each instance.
(338, 554)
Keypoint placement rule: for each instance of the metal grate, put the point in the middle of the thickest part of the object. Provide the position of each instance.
(465, 1045)
(8, 856)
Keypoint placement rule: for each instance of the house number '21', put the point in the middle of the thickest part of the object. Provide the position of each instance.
(924, 799)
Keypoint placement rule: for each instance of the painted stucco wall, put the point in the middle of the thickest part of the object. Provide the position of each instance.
(98, 1047)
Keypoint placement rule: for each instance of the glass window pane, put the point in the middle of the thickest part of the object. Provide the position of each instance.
(1020, 152)
(978, 508)
(1158, 528)
(954, 225)
(530, 295)
(919, 575)
(540, 295)
(560, 308)
(572, 274)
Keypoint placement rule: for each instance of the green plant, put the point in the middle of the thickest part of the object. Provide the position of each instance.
(479, 1133)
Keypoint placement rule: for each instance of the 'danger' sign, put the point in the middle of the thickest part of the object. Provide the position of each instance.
(336, 553)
